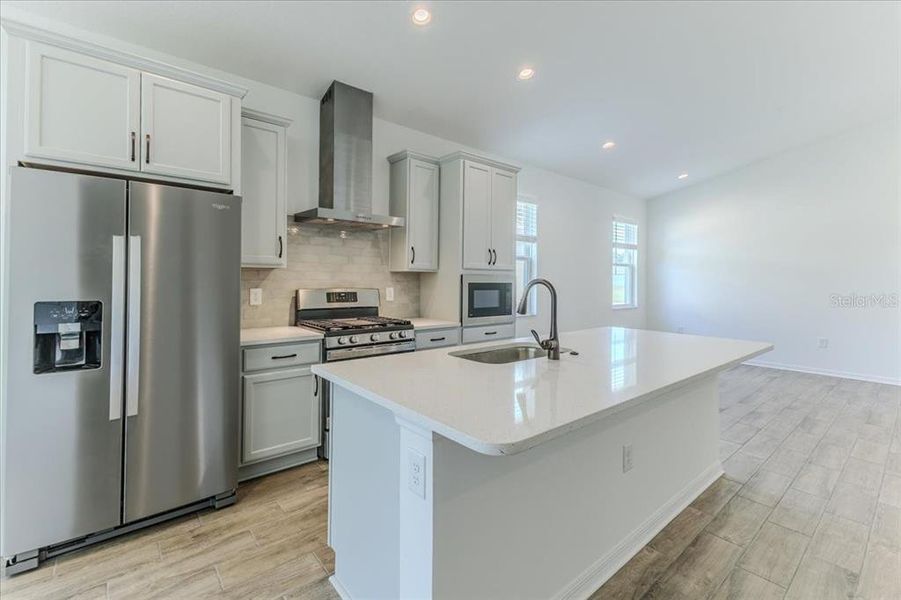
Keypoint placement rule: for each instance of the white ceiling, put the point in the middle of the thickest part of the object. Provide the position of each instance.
(700, 87)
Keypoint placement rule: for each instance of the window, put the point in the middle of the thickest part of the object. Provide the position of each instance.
(526, 250)
(625, 263)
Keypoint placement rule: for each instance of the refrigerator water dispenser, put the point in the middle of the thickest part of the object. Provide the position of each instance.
(67, 336)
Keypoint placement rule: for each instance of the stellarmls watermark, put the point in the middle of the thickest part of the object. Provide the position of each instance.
(864, 300)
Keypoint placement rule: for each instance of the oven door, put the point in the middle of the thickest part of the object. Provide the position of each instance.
(487, 299)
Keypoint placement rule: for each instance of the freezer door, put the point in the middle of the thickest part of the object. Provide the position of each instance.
(182, 358)
(62, 387)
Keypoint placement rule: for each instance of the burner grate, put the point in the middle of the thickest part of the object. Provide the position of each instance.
(365, 323)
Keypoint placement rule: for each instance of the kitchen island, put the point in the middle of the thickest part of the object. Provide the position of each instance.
(451, 478)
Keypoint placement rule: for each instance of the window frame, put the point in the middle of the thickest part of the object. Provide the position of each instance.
(632, 268)
(530, 261)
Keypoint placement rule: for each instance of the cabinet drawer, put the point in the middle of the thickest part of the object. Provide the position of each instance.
(283, 355)
(437, 338)
(472, 335)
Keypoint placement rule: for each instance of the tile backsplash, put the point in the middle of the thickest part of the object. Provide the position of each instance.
(319, 257)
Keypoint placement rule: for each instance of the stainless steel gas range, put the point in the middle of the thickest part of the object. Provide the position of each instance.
(352, 328)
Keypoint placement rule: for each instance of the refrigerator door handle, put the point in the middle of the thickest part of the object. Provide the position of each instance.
(117, 329)
(133, 352)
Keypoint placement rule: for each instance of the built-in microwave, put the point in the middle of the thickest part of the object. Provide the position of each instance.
(486, 299)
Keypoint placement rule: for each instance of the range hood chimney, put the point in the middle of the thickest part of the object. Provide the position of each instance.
(345, 162)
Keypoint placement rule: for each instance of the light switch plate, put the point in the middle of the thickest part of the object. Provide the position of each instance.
(256, 296)
(389, 294)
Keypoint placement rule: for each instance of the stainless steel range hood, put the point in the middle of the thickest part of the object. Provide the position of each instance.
(345, 162)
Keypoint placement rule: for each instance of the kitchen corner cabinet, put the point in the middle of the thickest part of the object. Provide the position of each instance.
(280, 404)
(88, 111)
(488, 211)
(414, 190)
(264, 209)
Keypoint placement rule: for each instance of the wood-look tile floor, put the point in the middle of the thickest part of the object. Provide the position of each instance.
(809, 507)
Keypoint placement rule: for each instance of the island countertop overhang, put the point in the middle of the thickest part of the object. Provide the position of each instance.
(506, 409)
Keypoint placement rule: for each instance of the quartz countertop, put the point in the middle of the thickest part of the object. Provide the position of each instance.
(508, 408)
(272, 335)
(421, 324)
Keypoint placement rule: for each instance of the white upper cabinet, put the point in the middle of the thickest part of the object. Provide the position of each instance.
(264, 190)
(489, 216)
(185, 130)
(414, 191)
(88, 106)
(476, 216)
(81, 109)
(503, 218)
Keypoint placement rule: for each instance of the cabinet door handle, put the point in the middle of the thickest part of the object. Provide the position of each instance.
(489, 256)
(490, 333)
(316, 383)
(413, 250)
(493, 256)
(147, 155)
(280, 246)
(284, 356)
(441, 339)
(132, 146)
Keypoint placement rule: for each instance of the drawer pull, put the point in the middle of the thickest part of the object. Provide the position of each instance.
(285, 356)
(490, 333)
(441, 339)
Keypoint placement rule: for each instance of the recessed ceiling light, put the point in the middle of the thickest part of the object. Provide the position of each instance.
(525, 73)
(609, 145)
(421, 16)
(682, 176)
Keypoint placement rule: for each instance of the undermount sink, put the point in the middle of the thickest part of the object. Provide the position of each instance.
(499, 355)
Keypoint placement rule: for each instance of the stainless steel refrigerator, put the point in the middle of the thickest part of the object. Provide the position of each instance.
(120, 355)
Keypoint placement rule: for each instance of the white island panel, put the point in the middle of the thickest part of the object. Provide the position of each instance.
(535, 501)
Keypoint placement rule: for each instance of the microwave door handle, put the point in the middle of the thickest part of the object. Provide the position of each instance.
(133, 350)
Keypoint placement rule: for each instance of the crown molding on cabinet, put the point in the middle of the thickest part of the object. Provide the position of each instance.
(259, 115)
(461, 155)
(30, 32)
(399, 156)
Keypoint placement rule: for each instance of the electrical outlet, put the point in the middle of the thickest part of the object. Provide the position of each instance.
(416, 472)
(389, 294)
(822, 342)
(627, 458)
(256, 296)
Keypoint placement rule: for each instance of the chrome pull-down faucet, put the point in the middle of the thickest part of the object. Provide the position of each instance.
(552, 344)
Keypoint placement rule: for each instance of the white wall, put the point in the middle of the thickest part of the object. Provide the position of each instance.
(757, 254)
(574, 217)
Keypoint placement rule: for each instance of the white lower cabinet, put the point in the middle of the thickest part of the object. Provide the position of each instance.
(280, 413)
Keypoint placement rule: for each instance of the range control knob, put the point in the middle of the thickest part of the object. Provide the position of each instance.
(342, 341)
(392, 336)
(374, 337)
(402, 334)
(354, 339)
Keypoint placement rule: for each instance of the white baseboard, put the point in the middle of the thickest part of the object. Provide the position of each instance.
(339, 588)
(594, 576)
(828, 372)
